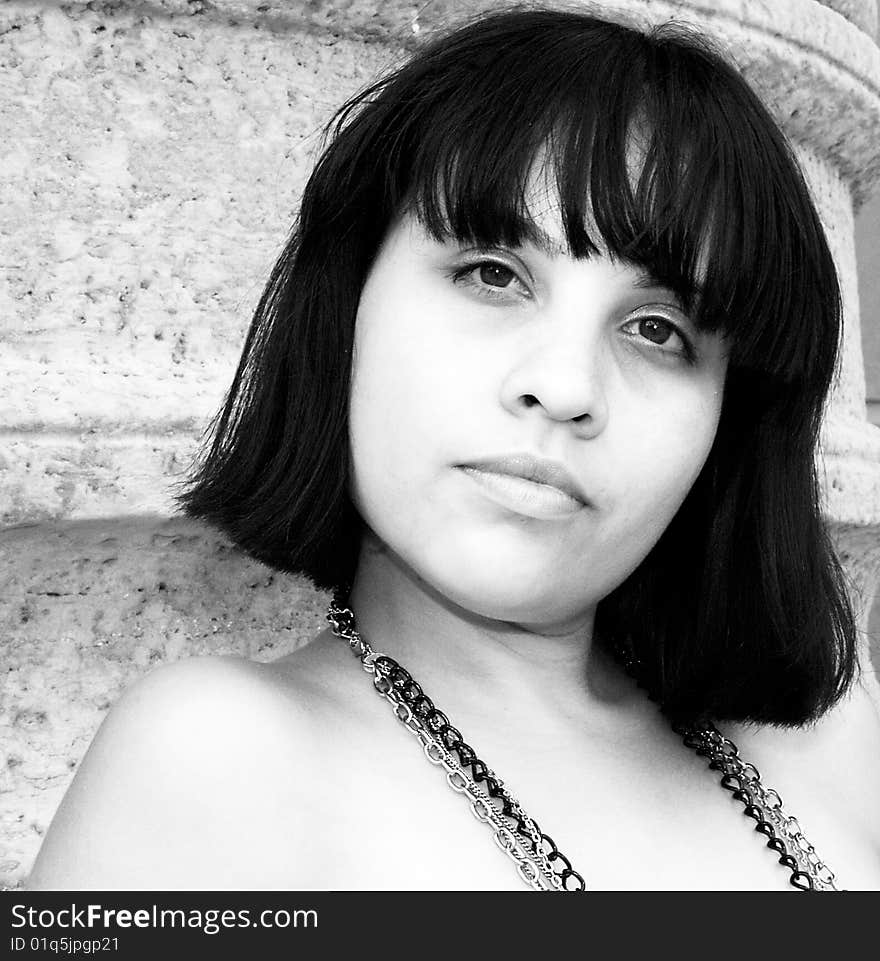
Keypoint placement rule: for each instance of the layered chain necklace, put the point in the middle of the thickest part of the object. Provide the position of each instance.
(539, 863)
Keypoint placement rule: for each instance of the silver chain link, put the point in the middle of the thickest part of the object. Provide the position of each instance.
(536, 868)
(539, 877)
(725, 755)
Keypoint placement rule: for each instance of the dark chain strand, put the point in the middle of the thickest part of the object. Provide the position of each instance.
(435, 721)
(411, 693)
(742, 779)
(536, 874)
(807, 872)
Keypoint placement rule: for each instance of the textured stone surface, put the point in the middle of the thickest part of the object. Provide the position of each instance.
(867, 227)
(93, 605)
(863, 13)
(50, 475)
(153, 178)
(158, 149)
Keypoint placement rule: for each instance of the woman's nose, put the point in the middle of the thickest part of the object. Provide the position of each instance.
(565, 378)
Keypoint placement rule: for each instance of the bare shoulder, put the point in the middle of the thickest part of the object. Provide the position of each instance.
(828, 775)
(198, 764)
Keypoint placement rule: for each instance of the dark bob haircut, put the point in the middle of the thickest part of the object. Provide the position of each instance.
(740, 611)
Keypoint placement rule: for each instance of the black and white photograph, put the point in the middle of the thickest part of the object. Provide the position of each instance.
(439, 446)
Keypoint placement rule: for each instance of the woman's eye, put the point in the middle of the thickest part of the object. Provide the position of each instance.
(491, 278)
(496, 275)
(655, 329)
(664, 334)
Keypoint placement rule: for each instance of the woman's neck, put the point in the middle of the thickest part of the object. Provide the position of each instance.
(485, 669)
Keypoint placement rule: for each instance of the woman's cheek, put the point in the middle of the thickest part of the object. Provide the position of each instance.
(661, 470)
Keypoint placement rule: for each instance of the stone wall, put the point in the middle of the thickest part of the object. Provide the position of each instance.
(153, 157)
(868, 256)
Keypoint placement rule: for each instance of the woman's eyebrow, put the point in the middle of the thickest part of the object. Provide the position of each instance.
(539, 238)
(646, 280)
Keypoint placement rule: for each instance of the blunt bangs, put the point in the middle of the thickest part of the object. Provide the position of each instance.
(661, 156)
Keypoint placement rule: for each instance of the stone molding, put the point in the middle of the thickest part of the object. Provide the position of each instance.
(863, 13)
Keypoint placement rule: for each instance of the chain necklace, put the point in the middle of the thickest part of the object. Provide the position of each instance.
(539, 863)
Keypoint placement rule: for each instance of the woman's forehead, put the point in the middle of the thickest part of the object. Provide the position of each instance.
(543, 210)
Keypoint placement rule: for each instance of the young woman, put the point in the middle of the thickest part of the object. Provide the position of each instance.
(535, 390)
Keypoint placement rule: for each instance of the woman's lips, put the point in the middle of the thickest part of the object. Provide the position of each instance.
(531, 467)
(528, 497)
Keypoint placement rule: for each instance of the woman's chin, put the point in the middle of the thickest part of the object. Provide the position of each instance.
(529, 603)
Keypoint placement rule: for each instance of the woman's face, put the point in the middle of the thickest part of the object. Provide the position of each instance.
(467, 363)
